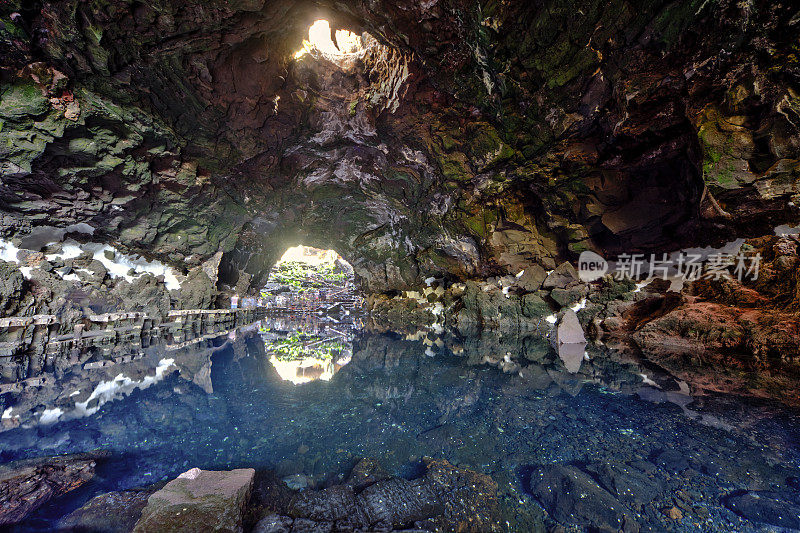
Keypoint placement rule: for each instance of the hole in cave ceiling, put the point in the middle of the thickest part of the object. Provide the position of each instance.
(343, 43)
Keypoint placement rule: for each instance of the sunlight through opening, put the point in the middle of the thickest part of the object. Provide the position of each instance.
(319, 39)
(314, 291)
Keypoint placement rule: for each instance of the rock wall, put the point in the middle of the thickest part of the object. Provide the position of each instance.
(467, 141)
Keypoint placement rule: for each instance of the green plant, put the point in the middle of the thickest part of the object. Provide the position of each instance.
(300, 345)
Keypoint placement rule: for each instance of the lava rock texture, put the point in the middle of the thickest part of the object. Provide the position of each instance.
(465, 140)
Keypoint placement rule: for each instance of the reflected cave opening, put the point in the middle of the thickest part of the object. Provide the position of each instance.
(314, 312)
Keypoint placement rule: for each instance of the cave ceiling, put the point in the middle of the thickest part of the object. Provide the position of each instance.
(466, 139)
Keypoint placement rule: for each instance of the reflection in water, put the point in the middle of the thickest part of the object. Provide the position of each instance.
(305, 369)
(106, 391)
(309, 350)
(223, 403)
(572, 356)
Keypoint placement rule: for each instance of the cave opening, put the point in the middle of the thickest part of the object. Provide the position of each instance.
(311, 280)
(312, 293)
(331, 44)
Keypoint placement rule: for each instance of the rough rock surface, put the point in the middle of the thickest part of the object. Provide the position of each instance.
(27, 485)
(782, 510)
(714, 333)
(198, 500)
(569, 330)
(462, 142)
(113, 512)
(444, 498)
(572, 497)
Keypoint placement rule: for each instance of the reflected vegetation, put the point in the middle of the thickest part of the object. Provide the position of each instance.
(307, 398)
(308, 351)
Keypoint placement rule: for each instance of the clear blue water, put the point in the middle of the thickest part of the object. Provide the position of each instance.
(224, 405)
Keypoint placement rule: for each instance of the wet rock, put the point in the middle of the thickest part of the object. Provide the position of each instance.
(562, 277)
(631, 483)
(198, 500)
(569, 297)
(395, 502)
(114, 512)
(710, 329)
(767, 507)
(270, 496)
(532, 278)
(367, 472)
(571, 497)
(296, 481)
(27, 485)
(334, 504)
(672, 460)
(11, 288)
(569, 330)
(470, 499)
(444, 498)
(274, 524)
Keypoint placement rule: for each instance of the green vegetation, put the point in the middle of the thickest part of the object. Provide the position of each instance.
(303, 277)
(300, 345)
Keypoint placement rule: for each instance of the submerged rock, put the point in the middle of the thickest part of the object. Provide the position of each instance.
(198, 500)
(367, 472)
(767, 507)
(572, 497)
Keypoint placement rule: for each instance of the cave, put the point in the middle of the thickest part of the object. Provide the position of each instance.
(359, 247)
(311, 274)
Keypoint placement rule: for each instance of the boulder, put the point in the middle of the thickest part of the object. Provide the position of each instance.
(532, 278)
(198, 501)
(27, 485)
(367, 471)
(113, 512)
(274, 523)
(569, 330)
(562, 277)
